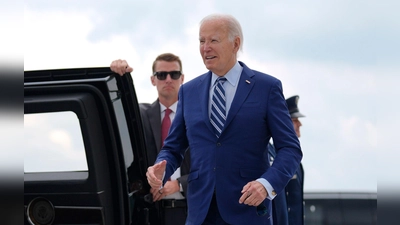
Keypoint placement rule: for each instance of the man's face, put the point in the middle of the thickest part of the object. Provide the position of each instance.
(297, 124)
(169, 87)
(217, 51)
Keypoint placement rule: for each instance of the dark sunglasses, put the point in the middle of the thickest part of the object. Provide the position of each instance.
(162, 75)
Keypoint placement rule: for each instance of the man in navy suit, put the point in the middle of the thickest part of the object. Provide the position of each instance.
(230, 180)
(288, 206)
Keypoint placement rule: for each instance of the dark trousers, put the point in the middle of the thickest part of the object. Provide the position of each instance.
(174, 211)
(213, 216)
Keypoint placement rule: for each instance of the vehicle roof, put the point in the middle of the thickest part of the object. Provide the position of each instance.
(340, 195)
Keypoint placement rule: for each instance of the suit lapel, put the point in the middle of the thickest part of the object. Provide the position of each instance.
(245, 84)
(154, 112)
(204, 93)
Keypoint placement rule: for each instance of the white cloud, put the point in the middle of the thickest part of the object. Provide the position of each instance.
(347, 128)
(358, 133)
(59, 40)
(61, 138)
(372, 134)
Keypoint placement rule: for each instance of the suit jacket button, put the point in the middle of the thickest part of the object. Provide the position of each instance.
(218, 144)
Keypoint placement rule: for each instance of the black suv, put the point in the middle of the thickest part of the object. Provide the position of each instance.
(85, 161)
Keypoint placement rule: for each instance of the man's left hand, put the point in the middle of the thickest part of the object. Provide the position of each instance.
(253, 194)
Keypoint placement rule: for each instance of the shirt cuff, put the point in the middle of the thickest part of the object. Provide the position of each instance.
(270, 190)
(180, 186)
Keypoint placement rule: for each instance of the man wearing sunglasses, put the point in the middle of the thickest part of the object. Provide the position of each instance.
(227, 117)
(167, 77)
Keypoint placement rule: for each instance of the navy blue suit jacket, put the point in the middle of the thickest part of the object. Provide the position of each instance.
(224, 165)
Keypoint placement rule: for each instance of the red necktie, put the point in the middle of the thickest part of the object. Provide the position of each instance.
(165, 124)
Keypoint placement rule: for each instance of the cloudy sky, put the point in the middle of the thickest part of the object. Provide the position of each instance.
(336, 55)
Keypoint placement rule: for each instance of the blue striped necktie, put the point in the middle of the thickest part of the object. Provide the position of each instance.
(218, 104)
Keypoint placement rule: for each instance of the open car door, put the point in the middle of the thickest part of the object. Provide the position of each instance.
(85, 157)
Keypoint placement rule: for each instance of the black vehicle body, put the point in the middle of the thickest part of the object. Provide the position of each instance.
(114, 187)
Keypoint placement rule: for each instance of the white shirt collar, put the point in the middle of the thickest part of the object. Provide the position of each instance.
(232, 76)
(172, 107)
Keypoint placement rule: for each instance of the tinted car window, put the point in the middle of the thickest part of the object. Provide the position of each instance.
(53, 143)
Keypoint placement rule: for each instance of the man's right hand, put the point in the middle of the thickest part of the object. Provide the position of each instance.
(170, 187)
(155, 174)
(120, 66)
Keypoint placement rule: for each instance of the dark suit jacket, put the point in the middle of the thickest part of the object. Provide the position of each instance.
(151, 119)
(294, 198)
(279, 205)
(288, 206)
(224, 165)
